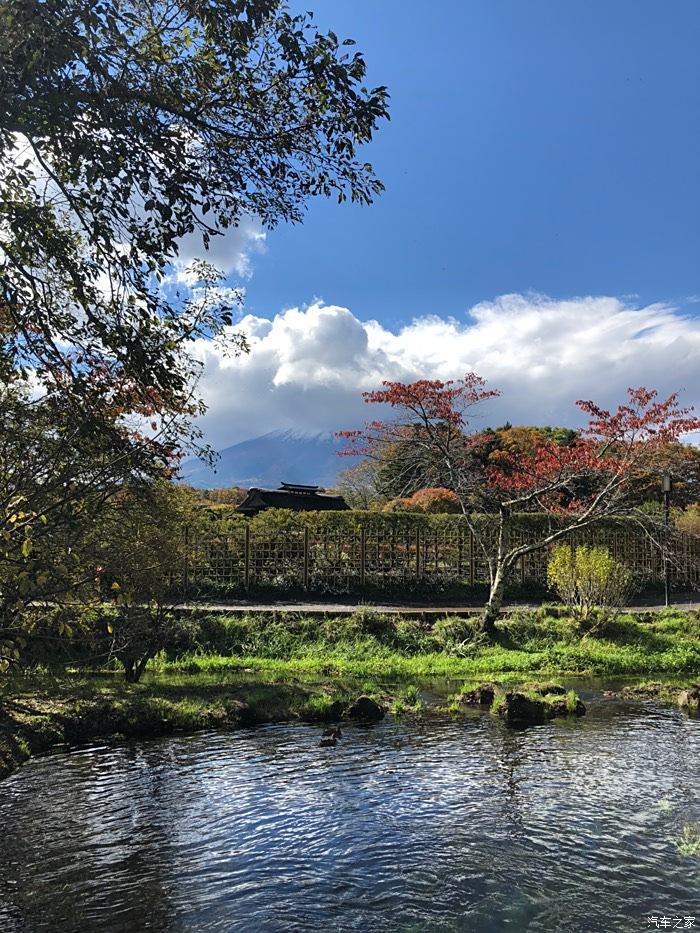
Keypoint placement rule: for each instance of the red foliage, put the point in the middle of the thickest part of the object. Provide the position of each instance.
(428, 402)
(433, 400)
(597, 464)
(613, 445)
(643, 420)
(435, 499)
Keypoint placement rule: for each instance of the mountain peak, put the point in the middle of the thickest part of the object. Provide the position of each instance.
(284, 455)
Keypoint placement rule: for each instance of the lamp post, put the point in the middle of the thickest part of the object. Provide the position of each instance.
(666, 487)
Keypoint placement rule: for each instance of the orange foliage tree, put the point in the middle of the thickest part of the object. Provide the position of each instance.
(576, 485)
(435, 500)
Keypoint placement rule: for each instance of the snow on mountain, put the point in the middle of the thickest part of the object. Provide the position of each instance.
(280, 456)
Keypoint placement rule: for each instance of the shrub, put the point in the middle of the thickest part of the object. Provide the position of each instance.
(458, 635)
(431, 500)
(588, 579)
(689, 520)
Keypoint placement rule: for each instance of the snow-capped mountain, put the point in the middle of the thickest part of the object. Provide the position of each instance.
(280, 456)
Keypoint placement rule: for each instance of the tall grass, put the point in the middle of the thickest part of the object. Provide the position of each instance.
(369, 644)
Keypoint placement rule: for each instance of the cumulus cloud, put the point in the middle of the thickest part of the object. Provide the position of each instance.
(230, 251)
(307, 366)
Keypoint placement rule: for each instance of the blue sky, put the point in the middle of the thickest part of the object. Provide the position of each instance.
(546, 150)
(542, 145)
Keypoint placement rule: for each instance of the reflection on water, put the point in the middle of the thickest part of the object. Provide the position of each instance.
(438, 827)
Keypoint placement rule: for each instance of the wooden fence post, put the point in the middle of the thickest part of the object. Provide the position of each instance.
(306, 557)
(417, 552)
(472, 558)
(363, 555)
(246, 558)
(186, 565)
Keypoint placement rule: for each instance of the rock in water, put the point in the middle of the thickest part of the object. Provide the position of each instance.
(518, 708)
(481, 696)
(365, 709)
(690, 698)
(546, 689)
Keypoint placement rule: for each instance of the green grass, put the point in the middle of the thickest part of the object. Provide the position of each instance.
(688, 843)
(366, 659)
(370, 645)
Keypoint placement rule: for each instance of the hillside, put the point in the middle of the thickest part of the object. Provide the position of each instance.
(270, 459)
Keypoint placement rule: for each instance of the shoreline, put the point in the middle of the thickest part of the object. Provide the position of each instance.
(67, 714)
(232, 672)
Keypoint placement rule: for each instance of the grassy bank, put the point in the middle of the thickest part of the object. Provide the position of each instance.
(239, 671)
(371, 645)
(40, 713)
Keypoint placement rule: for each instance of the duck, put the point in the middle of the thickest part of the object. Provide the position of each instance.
(330, 738)
(334, 730)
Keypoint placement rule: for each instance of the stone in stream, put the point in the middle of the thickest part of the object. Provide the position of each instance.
(546, 689)
(481, 696)
(690, 697)
(686, 697)
(561, 708)
(365, 709)
(519, 708)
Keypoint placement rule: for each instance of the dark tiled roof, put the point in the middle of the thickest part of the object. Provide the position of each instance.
(291, 496)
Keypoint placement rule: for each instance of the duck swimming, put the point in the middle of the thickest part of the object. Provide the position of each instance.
(330, 737)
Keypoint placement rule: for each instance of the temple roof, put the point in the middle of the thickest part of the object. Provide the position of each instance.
(295, 496)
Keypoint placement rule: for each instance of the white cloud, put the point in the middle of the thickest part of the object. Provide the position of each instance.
(308, 366)
(230, 251)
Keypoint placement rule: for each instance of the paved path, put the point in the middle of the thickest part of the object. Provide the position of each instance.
(241, 607)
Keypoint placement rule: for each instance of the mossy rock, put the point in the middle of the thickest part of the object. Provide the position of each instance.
(483, 695)
(518, 707)
(685, 697)
(365, 709)
(545, 689)
(565, 706)
(690, 698)
(646, 691)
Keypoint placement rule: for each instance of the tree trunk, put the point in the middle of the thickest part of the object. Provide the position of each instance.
(493, 606)
(141, 667)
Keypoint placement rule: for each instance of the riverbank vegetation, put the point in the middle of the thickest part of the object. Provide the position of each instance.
(218, 671)
(367, 643)
(370, 645)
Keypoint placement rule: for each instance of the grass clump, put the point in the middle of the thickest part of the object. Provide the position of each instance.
(572, 701)
(688, 843)
(408, 702)
(370, 645)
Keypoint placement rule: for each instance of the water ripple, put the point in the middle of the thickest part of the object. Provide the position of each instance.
(447, 827)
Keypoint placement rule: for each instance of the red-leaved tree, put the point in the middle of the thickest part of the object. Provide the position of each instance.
(574, 485)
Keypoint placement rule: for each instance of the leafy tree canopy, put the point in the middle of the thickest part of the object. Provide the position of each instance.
(125, 126)
(593, 478)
